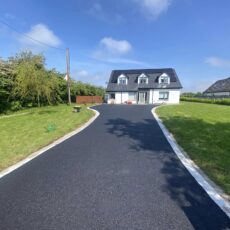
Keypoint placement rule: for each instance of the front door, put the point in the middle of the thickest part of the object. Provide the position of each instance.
(142, 97)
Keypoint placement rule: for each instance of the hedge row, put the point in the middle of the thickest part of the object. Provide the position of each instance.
(225, 101)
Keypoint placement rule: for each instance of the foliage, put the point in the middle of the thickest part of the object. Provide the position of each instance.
(25, 82)
(6, 84)
(225, 101)
(203, 131)
(191, 94)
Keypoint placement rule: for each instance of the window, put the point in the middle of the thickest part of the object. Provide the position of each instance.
(122, 81)
(164, 79)
(112, 96)
(163, 95)
(142, 79)
(132, 96)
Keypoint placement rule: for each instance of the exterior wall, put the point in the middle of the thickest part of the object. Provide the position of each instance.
(222, 94)
(174, 96)
(120, 98)
(153, 97)
(218, 94)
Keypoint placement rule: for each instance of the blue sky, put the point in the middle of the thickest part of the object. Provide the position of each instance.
(191, 36)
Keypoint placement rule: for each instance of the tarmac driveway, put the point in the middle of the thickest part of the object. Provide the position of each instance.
(118, 173)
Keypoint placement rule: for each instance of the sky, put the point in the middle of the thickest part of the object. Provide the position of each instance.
(192, 36)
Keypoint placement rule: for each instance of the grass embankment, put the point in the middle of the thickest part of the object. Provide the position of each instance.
(203, 131)
(27, 131)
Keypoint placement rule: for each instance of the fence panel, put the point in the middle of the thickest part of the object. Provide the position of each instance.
(88, 99)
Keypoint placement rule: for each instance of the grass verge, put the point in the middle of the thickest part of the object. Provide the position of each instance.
(25, 132)
(203, 131)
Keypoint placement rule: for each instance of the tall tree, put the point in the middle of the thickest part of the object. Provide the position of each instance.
(32, 82)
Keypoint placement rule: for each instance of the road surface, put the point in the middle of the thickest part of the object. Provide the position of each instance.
(118, 173)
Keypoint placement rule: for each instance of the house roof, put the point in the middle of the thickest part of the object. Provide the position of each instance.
(152, 74)
(219, 86)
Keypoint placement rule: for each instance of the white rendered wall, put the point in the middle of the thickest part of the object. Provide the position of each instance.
(222, 94)
(125, 97)
(121, 97)
(117, 97)
(151, 97)
(174, 96)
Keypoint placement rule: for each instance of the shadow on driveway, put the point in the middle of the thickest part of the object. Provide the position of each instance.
(201, 211)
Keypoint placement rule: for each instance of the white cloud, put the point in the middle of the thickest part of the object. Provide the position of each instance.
(116, 46)
(83, 73)
(218, 62)
(124, 61)
(96, 11)
(99, 12)
(42, 33)
(114, 51)
(153, 8)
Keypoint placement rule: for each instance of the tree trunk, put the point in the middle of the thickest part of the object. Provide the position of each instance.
(38, 98)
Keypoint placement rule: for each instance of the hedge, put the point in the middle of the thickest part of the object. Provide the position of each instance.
(225, 101)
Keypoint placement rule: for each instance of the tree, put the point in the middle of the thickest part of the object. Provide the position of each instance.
(25, 82)
(32, 81)
(6, 84)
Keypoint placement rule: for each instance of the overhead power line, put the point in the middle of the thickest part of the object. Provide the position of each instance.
(26, 36)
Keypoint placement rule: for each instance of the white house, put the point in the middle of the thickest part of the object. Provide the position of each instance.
(220, 88)
(143, 86)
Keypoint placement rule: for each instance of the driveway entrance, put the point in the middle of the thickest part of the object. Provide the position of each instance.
(119, 173)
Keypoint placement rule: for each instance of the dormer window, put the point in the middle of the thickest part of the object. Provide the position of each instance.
(164, 79)
(143, 79)
(122, 80)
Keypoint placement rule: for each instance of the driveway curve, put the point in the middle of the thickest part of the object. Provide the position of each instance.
(118, 173)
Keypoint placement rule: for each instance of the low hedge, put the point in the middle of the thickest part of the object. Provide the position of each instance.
(224, 101)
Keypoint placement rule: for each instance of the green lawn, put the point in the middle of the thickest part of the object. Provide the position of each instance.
(203, 131)
(27, 131)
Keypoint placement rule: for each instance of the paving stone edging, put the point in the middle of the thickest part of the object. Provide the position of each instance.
(214, 191)
(44, 149)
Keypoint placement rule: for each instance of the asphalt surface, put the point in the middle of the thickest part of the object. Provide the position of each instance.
(119, 173)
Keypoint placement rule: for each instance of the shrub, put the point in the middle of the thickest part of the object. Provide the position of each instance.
(225, 101)
(15, 105)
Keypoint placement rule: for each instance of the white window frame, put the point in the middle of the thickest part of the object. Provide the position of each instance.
(164, 98)
(164, 77)
(143, 76)
(122, 80)
(133, 97)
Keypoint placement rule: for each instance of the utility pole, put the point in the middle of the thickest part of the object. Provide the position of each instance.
(68, 75)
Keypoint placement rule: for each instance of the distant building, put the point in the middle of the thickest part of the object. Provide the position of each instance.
(143, 86)
(220, 88)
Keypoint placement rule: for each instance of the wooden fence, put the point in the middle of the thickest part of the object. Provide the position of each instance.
(88, 99)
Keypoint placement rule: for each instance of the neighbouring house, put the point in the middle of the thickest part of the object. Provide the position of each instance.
(143, 86)
(220, 88)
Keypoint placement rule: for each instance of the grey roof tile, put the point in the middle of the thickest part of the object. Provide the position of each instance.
(219, 86)
(153, 75)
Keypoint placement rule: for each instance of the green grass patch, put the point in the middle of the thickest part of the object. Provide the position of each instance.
(203, 131)
(27, 131)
